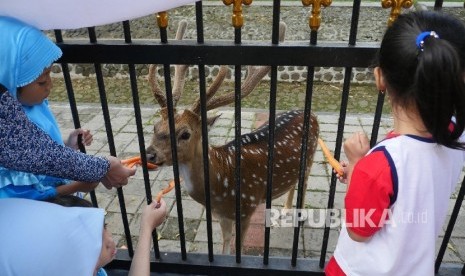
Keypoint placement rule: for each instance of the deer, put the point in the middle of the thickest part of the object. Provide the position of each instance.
(221, 158)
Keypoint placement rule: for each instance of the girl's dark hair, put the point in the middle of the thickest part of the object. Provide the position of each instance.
(70, 201)
(430, 79)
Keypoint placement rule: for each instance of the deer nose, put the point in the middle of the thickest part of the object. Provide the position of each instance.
(151, 157)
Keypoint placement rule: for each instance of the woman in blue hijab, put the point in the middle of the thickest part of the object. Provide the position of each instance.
(26, 56)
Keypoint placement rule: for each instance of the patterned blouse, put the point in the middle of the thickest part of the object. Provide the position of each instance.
(25, 147)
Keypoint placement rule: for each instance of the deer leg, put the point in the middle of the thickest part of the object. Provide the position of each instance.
(226, 229)
(244, 227)
(290, 199)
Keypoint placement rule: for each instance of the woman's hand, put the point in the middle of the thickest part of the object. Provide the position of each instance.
(117, 175)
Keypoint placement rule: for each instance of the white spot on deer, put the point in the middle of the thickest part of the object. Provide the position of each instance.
(225, 194)
(233, 192)
(256, 136)
(229, 160)
(244, 195)
(226, 183)
(250, 185)
(252, 198)
(218, 175)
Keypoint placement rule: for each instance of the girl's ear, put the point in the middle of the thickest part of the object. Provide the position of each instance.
(379, 79)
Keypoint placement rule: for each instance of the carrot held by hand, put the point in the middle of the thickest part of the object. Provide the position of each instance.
(165, 191)
(136, 160)
(331, 160)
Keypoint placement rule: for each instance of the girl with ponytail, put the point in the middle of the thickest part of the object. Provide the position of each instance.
(398, 192)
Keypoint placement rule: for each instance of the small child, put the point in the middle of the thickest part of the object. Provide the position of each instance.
(398, 192)
(47, 239)
(26, 56)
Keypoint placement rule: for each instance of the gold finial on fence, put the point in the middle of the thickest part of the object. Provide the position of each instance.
(237, 18)
(162, 19)
(396, 6)
(315, 19)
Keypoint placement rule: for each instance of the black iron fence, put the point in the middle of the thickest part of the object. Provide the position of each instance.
(236, 53)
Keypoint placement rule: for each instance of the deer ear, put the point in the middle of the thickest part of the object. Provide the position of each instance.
(212, 120)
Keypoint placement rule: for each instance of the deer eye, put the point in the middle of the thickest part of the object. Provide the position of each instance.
(185, 136)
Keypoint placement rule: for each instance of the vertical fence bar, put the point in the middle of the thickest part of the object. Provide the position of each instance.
(73, 105)
(450, 227)
(174, 153)
(111, 142)
(205, 148)
(303, 160)
(174, 150)
(341, 123)
(237, 144)
(140, 132)
(272, 123)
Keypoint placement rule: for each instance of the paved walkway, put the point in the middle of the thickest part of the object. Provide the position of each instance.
(125, 134)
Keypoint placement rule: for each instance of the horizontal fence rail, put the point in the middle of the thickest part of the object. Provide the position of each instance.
(213, 53)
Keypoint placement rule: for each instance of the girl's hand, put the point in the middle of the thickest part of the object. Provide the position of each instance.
(356, 147)
(72, 141)
(343, 178)
(153, 215)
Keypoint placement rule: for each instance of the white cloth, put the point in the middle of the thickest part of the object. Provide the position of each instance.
(73, 14)
(40, 238)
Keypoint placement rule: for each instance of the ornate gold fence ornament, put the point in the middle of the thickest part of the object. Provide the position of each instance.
(396, 6)
(315, 19)
(237, 18)
(162, 19)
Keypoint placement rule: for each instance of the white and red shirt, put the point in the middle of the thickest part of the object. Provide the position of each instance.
(398, 196)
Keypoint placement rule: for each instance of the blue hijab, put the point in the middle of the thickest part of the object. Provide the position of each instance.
(24, 54)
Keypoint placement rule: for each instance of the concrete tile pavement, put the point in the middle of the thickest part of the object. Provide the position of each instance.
(126, 144)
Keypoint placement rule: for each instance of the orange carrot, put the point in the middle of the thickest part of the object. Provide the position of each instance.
(130, 160)
(165, 191)
(131, 164)
(331, 160)
(136, 160)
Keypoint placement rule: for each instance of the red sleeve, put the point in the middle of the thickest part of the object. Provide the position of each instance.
(369, 194)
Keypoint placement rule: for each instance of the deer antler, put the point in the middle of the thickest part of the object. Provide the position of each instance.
(179, 70)
(157, 93)
(212, 89)
(254, 75)
(179, 75)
